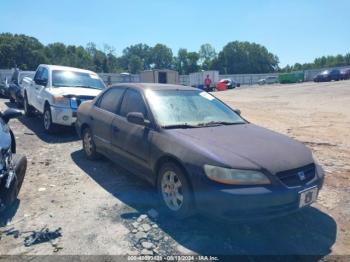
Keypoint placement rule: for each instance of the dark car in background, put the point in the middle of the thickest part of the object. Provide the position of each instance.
(4, 84)
(328, 75)
(199, 153)
(345, 74)
(15, 90)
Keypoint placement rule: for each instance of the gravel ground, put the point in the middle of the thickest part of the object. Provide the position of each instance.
(104, 210)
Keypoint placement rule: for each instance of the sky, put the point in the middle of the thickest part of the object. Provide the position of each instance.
(294, 30)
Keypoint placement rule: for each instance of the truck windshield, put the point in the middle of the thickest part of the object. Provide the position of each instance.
(186, 108)
(76, 79)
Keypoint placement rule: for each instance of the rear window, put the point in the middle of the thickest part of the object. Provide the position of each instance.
(111, 99)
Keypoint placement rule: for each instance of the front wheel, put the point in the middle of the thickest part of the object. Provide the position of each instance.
(174, 191)
(89, 145)
(49, 126)
(28, 109)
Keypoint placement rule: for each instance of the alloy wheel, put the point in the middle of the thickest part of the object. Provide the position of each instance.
(171, 188)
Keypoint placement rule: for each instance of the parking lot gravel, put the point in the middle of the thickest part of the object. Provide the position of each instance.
(103, 209)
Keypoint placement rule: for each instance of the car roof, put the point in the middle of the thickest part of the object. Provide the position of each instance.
(67, 68)
(153, 86)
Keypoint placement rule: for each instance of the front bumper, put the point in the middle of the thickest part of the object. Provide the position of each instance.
(63, 116)
(252, 203)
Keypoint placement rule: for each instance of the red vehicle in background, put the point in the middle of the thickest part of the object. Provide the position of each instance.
(225, 84)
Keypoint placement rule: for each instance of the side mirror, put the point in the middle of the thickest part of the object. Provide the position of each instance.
(10, 113)
(137, 118)
(41, 82)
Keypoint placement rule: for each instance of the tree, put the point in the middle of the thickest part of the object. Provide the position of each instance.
(206, 55)
(244, 57)
(135, 64)
(161, 57)
(142, 51)
(181, 61)
(192, 58)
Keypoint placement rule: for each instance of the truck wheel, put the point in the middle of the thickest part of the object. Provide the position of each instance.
(28, 109)
(49, 126)
(174, 191)
(89, 145)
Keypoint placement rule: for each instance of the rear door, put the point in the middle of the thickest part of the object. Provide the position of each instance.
(131, 141)
(102, 114)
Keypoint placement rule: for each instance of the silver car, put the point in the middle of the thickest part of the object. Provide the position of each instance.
(268, 80)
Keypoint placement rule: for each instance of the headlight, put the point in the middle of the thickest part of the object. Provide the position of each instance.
(235, 176)
(73, 103)
(61, 101)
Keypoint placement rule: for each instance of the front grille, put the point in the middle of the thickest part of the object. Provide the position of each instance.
(81, 99)
(298, 176)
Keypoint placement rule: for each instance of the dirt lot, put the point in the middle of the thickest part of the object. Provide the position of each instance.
(98, 205)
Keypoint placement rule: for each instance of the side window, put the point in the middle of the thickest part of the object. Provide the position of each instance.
(45, 75)
(133, 102)
(111, 99)
(38, 74)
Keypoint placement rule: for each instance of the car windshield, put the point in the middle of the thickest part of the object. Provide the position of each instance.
(76, 79)
(325, 72)
(184, 108)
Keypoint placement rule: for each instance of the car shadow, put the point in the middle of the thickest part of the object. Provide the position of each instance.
(7, 215)
(64, 134)
(310, 232)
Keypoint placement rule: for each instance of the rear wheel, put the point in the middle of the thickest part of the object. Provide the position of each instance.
(89, 145)
(174, 191)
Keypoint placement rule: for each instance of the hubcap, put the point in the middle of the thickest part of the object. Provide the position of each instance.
(47, 119)
(88, 143)
(172, 190)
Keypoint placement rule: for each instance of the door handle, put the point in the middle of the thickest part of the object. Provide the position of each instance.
(115, 129)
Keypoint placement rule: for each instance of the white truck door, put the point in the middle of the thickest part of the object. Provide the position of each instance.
(40, 90)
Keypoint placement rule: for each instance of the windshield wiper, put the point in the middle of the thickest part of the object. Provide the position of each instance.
(180, 126)
(219, 123)
(84, 86)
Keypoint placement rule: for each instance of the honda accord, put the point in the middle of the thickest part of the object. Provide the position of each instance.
(200, 154)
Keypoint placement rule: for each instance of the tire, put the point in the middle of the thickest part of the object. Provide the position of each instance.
(89, 146)
(178, 202)
(49, 126)
(28, 109)
(9, 195)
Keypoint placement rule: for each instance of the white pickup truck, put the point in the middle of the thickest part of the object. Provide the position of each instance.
(57, 91)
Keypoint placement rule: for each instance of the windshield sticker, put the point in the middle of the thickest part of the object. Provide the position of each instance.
(207, 96)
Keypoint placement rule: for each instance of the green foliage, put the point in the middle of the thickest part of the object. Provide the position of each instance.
(321, 62)
(244, 57)
(236, 57)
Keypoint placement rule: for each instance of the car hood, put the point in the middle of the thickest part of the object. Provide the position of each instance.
(75, 91)
(248, 146)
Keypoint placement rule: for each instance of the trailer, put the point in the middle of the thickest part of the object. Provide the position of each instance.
(197, 79)
(164, 76)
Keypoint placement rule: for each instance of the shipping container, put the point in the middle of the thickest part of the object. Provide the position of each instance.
(197, 79)
(165, 76)
(293, 77)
